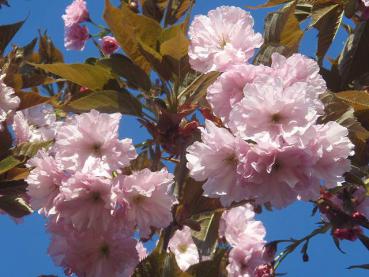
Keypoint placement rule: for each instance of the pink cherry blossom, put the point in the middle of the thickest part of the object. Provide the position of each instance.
(93, 254)
(215, 160)
(8, 101)
(333, 146)
(76, 13)
(239, 226)
(223, 38)
(227, 90)
(245, 259)
(184, 248)
(147, 199)
(299, 68)
(87, 202)
(44, 182)
(75, 37)
(365, 2)
(90, 141)
(109, 45)
(270, 107)
(35, 124)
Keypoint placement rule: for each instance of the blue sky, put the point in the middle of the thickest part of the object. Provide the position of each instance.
(24, 246)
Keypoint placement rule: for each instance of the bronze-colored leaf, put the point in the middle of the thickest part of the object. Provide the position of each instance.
(176, 9)
(268, 4)
(86, 75)
(216, 267)
(282, 34)
(30, 99)
(129, 27)
(154, 8)
(107, 101)
(359, 100)
(15, 206)
(7, 33)
(327, 19)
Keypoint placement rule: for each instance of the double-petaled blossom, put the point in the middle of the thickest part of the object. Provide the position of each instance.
(223, 38)
(184, 248)
(215, 160)
(238, 225)
(228, 89)
(35, 124)
(95, 254)
(90, 141)
(8, 101)
(75, 13)
(75, 37)
(86, 201)
(269, 107)
(44, 182)
(146, 198)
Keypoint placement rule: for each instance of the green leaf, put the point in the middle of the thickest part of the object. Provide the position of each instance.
(30, 149)
(282, 34)
(327, 19)
(129, 27)
(176, 10)
(154, 8)
(8, 163)
(86, 75)
(206, 239)
(124, 67)
(216, 267)
(159, 264)
(107, 101)
(198, 88)
(7, 33)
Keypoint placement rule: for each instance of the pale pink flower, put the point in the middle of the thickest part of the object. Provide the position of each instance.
(215, 160)
(75, 37)
(227, 90)
(365, 2)
(299, 68)
(273, 170)
(147, 199)
(90, 141)
(35, 124)
(223, 38)
(109, 45)
(270, 107)
(44, 182)
(244, 259)
(91, 254)
(184, 248)
(239, 226)
(141, 250)
(8, 101)
(76, 13)
(87, 202)
(334, 148)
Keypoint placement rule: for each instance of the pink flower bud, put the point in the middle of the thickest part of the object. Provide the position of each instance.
(109, 45)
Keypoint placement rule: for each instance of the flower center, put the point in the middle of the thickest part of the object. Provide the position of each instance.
(96, 150)
(223, 42)
(138, 199)
(95, 196)
(231, 160)
(104, 250)
(182, 248)
(276, 118)
(276, 166)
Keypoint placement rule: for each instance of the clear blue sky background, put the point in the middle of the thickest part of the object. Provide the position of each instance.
(23, 250)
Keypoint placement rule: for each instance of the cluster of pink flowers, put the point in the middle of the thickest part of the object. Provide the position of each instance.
(8, 101)
(270, 148)
(76, 35)
(249, 255)
(93, 206)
